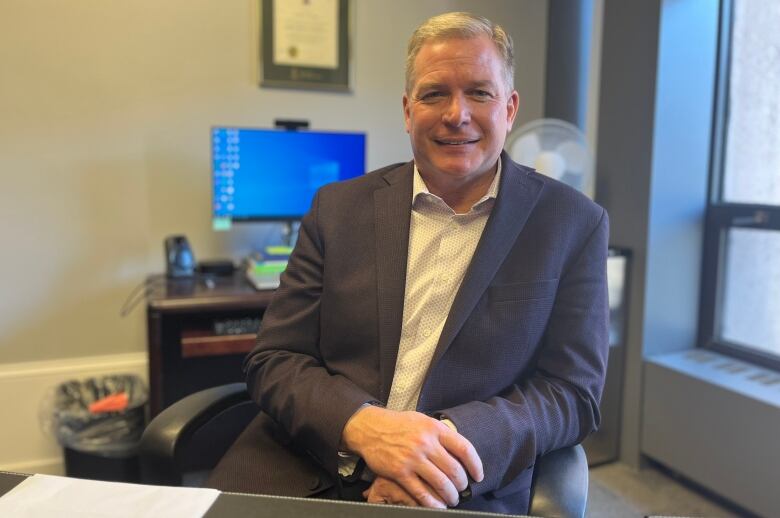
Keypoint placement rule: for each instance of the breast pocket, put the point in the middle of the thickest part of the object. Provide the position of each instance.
(535, 290)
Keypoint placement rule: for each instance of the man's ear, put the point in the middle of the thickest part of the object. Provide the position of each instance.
(512, 105)
(407, 116)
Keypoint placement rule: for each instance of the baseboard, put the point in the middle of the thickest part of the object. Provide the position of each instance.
(24, 387)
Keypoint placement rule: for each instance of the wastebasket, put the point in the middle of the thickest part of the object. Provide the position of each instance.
(99, 422)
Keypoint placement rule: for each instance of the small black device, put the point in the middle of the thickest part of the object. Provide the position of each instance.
(291, 124)
(179, 259)
(220, 267)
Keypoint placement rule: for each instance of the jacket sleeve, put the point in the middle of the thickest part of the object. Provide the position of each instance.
(285, 372)
(556, 405)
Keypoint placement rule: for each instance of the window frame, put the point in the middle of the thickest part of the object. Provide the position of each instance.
(722, 216)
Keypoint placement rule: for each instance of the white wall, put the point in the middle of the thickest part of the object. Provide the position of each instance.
(105, 108)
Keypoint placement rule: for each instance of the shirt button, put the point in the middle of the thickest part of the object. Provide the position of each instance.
(426, 333)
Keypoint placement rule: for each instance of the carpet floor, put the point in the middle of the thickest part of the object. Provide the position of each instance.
(619, 491)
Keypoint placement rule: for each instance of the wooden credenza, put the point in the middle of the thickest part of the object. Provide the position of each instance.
(194, 333)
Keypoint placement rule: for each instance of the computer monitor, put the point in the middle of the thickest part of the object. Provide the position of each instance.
(272, 175)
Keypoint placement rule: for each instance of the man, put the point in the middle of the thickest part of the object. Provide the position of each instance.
(441, 323)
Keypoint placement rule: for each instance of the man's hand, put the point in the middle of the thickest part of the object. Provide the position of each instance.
(424, 456)
(385, 491)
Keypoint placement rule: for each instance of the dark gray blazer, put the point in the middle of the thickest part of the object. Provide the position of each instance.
(520, 364)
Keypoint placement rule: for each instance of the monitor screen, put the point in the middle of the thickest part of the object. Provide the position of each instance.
(267, 174)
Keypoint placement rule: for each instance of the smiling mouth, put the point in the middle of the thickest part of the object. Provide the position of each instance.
(455, 142)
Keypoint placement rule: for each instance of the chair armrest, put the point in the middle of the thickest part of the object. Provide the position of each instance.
(165, 438)
(560, 487)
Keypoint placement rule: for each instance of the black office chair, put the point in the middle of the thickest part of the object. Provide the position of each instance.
(186, 440)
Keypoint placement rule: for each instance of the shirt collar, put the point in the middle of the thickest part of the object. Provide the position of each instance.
(419, 187)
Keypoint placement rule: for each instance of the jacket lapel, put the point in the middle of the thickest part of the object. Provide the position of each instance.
(516, 199)
(392, 206)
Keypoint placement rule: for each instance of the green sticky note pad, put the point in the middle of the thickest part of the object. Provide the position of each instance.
(270, 267)
(278, 250)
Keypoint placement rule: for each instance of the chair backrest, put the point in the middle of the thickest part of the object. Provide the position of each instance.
(210, 442)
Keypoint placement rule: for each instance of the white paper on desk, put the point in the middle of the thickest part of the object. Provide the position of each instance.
(45, 496)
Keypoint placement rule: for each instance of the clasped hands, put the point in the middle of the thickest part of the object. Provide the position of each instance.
(418, 460)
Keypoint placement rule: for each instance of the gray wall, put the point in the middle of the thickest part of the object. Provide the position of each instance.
(657, 80)
(624, 136)
(685, 92)
(106, 108)
(624, 170)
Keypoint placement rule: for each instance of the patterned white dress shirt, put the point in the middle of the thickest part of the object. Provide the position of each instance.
(441, 245)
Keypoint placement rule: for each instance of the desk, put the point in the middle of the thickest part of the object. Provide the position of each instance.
(185, 353)
(229, 505)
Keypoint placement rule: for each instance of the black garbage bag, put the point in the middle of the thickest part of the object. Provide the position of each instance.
(104, 416)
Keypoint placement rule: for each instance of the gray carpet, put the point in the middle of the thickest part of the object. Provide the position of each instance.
(618, 491)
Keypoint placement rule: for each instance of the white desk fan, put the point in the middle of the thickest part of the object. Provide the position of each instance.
(555, 148)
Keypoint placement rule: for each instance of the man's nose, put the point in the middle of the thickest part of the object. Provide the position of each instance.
(457, 111)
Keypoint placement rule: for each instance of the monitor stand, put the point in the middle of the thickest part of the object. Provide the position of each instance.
(290, 230)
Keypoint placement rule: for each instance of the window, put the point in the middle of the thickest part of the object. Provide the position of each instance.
(741, 267)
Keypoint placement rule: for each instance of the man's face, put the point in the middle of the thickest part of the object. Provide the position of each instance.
(458, 112)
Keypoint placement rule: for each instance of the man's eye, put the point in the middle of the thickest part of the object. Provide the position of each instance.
(431, 96)
(482, 94)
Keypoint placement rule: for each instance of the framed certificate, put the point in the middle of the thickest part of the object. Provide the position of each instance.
(305, 44)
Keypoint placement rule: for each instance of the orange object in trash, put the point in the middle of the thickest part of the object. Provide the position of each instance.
(111, 403)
